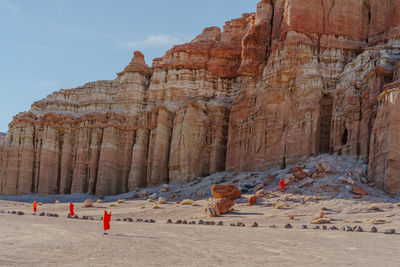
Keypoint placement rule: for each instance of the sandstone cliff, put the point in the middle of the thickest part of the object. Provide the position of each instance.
(294, 79)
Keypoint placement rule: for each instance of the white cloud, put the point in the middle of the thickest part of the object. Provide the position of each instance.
(9, 7)
(156, 40)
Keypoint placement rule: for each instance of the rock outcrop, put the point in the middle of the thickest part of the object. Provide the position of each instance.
(294, 79)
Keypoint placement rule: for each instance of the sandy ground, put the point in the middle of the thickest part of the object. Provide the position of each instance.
(33, 240)
(49, 241)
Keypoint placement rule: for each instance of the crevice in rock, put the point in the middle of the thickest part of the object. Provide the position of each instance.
(325, 123)
(345, 136)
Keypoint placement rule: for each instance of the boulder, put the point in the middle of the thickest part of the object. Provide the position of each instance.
(358, 190)
(299, 173)
(88, 203)
(289, 179)
(226, 191)
(306, 182)
(260, 193)
(252, 200)
(258, 187)
(216, 207)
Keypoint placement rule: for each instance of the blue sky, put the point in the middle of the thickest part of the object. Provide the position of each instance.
(46, 45)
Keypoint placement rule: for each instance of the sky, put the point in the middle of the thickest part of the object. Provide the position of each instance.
(48, 45)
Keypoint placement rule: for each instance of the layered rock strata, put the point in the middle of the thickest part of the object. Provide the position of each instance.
(294, 79)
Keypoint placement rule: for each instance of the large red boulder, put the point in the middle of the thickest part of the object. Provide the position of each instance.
(226, 191)
(216, 207)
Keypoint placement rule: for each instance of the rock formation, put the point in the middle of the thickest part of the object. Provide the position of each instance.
(294, 79)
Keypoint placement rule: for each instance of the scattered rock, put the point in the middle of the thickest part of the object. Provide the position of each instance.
(260, 193)
(88, 203)
(358, 190)
(323, 167)
(162, 200)
(298, 172)
(359, 229)
(252, 200)
(289, 179)
(225, 191)
(389, 231)
(269, 179)
(374, 207)
(288, 226)
(258, 188)
(255, 224)
(349, 229)
(200, 193)
(306, 182)
(187, 202)
(373, 229)
(321, 221)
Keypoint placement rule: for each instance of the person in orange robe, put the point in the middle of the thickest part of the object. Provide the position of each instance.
(106, 222)
(71, 209)
(34, 206)
(282, 185)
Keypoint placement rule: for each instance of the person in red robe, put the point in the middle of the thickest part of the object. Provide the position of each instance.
(282, 185)
(34, 206)
(106, 222)
(71, 209)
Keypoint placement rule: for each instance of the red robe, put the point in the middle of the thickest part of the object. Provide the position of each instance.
(34, 206)
(282, 185)
(71, 209)
(106, 220)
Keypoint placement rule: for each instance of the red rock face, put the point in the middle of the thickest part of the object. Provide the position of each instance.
(294, 79)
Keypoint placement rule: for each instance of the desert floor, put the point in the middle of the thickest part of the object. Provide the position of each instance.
(54, 241)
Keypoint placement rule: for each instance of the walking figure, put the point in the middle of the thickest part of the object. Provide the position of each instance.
(106, 222)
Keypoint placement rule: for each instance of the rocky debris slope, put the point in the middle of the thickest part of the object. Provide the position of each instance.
(294, 79)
